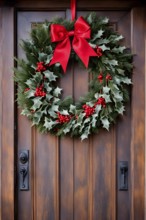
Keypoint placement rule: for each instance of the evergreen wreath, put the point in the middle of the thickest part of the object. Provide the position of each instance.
(40, 97)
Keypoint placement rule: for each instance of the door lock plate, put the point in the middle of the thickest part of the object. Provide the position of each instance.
(23, 171)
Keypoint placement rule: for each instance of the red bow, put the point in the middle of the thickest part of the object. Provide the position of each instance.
(80, 45)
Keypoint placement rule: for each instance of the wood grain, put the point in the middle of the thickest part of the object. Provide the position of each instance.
(7, 111)
(138, 113)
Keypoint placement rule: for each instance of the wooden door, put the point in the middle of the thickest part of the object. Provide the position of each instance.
(74, 180)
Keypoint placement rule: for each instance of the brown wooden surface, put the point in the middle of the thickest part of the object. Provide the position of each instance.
(7, 113)
(70, 179)
(138, 112)
(74, 179)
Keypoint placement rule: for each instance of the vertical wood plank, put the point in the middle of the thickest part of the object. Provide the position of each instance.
(123, 130)
(0, 101)
(104, 175)
(138, 113)
(81, 158)
(7, 123)
(66, 157)
(45, 176)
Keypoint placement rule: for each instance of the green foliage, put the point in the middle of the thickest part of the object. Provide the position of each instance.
(43, 110)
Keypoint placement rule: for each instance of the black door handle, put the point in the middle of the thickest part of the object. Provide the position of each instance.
(24, 170)
(123, 175)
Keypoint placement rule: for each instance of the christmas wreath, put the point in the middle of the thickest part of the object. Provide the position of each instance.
(92, 43)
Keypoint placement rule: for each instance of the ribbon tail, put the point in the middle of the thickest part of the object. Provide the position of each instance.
(83, 50)
(61, 54)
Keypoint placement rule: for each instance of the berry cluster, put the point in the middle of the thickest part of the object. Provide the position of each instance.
(63, 118)
(98, 51)
(101, 101)
(88, 110)
(108, 77)
(100, 77)
(40, 67)
(39, 91)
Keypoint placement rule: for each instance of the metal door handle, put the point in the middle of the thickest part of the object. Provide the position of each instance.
(123, 175)
(24, 170)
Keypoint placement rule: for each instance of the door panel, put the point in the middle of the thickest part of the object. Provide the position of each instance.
(70, 179)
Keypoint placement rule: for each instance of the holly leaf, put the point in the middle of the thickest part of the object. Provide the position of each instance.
(126, 80)
(49, 124)
(67, 128)
(106, 97)
(103, 41)
(121, 110)
(105, 20)
(50, 75)
(89, 19)
(72, 109)
(97, 109)
(94, 119)
(25, 112)
(120, 37)
(106, 89)
(42, 56)
(120, 71)
(37, 118)
(119, 49)
(37, 103)
(98, 35)
(29, 93)
(86, 133)
(49, 57)
(96, 95)
(55, 108)
(47, 87)
(64, 112)
(49, 97)
(117, 96)
(105, 123)
(103, 47)
(111, 62)
(57, 92)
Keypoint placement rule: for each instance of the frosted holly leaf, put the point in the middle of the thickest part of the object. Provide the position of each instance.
(120, 37)
(119, 49)
(55, 100)
(42, 56)
(57, 64)
(55, 108)
(52, 113)
(57, 92)
(103, 41)
(103, 47)
(49, 57)
(105, 20)
(106, 89)
(117, 80)
(120, 71)
(37, 103)
(37, 118)
(86, 133)
(89, 19)
(126, 80)
(67, 129)
(91, 104)
(98, 35)
(105, 123)
(64, 112)
(72, 109)
(96, 95)
(111, 62)
(49, 97)
(30, 83)
(25, 112)
(93, 45)
(121, 110)
(86, 120)
(30, 93)
(106, 97)
(38, 77)
(94, 119)
(50, 75)
(118, 96)
(49, 124)
(97, 109)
